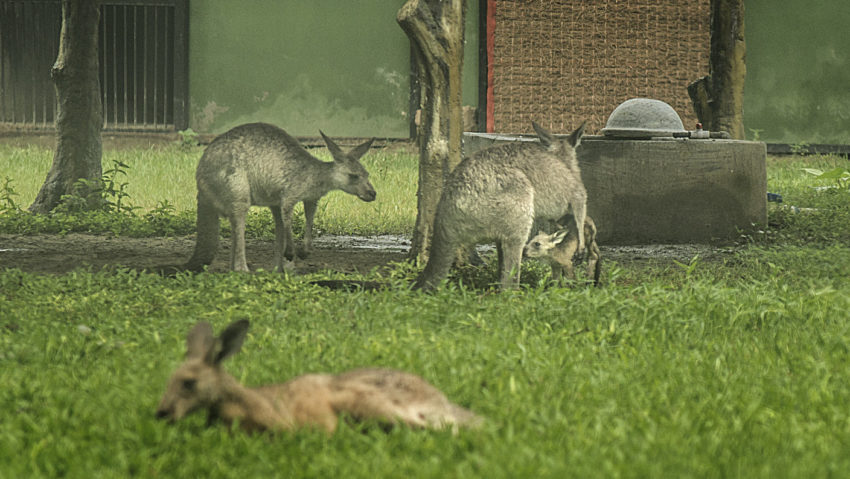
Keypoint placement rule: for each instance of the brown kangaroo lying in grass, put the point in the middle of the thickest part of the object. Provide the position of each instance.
(558, 249)
(311, 400)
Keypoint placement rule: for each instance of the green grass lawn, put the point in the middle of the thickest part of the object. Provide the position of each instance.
(167, 174)
(734, 368)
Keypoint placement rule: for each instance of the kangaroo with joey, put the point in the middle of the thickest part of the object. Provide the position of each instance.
(497, 193)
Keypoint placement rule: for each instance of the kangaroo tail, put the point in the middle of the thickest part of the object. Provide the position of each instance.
(597, 271)
(439, 260)
(593, 249)
(206, 243)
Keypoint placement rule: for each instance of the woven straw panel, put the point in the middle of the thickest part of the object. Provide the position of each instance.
(560, 62)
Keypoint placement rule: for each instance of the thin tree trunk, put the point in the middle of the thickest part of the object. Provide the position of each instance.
(719, 97)
(80, 114)
(435, 29)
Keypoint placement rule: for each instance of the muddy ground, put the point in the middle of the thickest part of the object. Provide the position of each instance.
(55, 254)
(60, 254)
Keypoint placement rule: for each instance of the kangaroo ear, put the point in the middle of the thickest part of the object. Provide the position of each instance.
(546, 138)
(335, 150)
(229, 342)
(200, 340)
(559, 236)
(360, 150)
(575, 137)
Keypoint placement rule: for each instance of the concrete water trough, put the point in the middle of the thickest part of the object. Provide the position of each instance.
(662, 184)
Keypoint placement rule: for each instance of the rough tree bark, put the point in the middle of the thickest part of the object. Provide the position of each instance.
(435, 29)
(719, 97)
(80, 115)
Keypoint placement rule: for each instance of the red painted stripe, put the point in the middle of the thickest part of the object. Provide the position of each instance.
(491, 46)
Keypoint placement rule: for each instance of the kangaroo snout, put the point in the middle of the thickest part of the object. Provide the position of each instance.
(167, 414)
(369, 195)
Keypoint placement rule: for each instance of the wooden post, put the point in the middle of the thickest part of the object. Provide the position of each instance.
(719, 97)
(435, 29)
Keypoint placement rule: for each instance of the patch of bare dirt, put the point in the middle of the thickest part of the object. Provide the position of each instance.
(54, 254)
(60, 254)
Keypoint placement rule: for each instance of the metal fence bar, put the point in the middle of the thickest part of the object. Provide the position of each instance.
(135, 64)
(15, 90)
(114, 66)
(145, 70)
(30, 14)
(105, 80)
(38, 88)
(165, 63)
(180, 104)
(142, 86)
(155, 52)
(3, 14)
(124, 39)
(41, 55)
(11, 33)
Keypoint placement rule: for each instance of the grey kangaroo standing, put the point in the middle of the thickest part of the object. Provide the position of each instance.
(260, 164)
(497, 193)
(559, 249)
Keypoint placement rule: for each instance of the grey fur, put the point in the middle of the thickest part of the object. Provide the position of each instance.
(560, 247)
(497, 193)
(260, 164)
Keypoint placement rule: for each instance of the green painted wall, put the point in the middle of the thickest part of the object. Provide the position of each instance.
(337, 65)
(342, 66)
(798, 71)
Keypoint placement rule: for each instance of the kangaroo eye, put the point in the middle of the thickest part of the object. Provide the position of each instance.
(189, 384)
(353, 176)
(536, 243)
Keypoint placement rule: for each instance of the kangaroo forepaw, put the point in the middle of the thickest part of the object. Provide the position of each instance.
(579, 256)
(287, 266)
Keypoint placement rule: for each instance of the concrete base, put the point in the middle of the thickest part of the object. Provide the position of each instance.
(667, 190)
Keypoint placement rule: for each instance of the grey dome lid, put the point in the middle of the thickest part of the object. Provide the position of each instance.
(643, 118)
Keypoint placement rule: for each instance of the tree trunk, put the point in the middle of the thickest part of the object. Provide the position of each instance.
(80, 114)
(719, 97)
(435, 29)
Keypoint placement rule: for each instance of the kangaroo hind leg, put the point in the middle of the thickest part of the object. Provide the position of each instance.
(309, 214)
(206, 242)
(282, 241)
(237, 215)
(511, 262)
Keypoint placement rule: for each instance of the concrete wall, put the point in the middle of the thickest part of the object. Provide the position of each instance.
(674, 191)
(338, 65)
(667, 191)
(798, 69)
